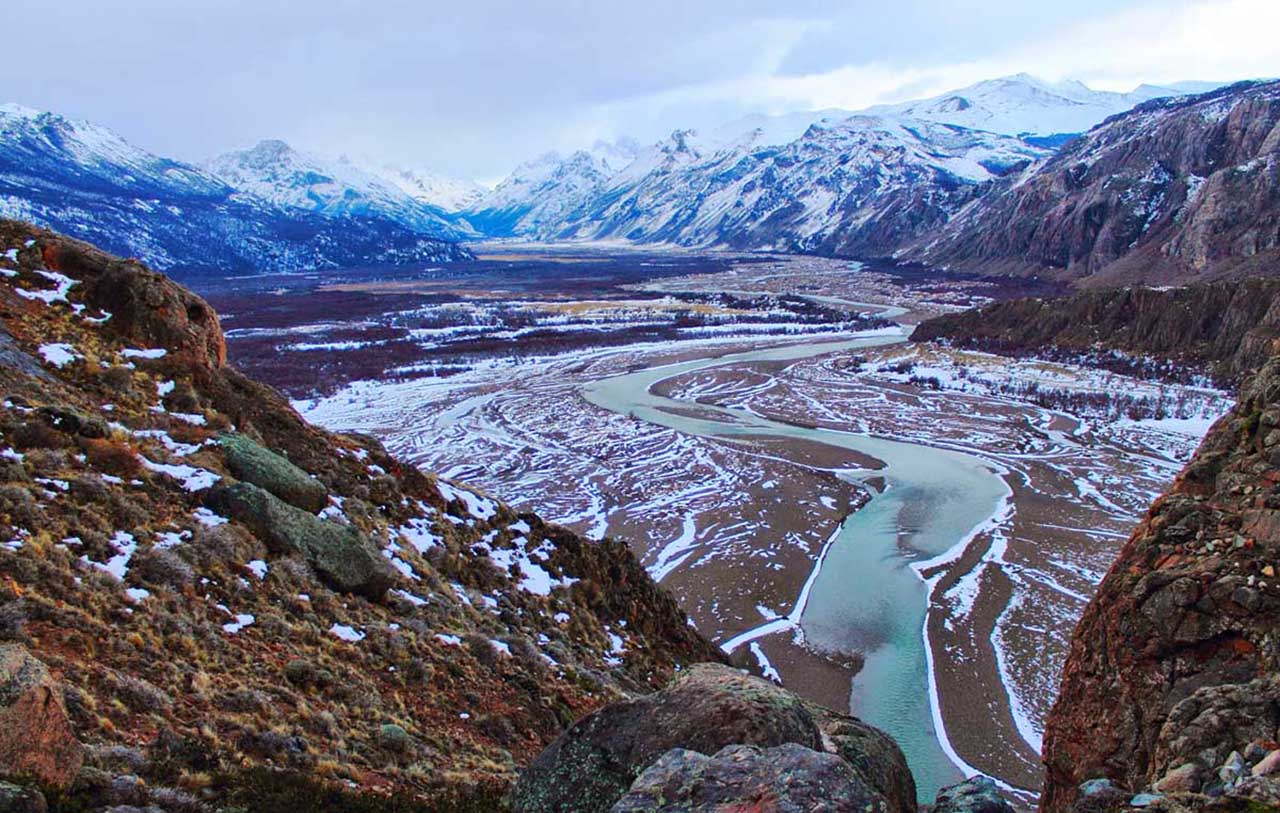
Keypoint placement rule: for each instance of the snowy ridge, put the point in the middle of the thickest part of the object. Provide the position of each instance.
(277, 173)
(822, 180)
(1024, 105)
(87, 181)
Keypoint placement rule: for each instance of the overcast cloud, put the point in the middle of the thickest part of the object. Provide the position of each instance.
(472, 88)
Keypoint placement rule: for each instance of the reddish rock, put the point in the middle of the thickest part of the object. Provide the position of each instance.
(147, 309)
(36, 740)
(1182, 664)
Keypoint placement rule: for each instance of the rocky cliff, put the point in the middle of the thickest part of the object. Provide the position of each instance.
(207, 603)
(1171, 679)
(1175, 190)
(1224, 328)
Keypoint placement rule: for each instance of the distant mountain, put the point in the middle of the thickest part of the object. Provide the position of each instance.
(1024, 105)
(87, 181)
(275, 172)
(856, 185)
(541, 193)
(827, 180)
(442, 192)
(1174, 190)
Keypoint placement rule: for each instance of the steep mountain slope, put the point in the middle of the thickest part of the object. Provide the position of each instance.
(1224, 328)
(88, 181)
(284, 177)
(541, 193)
(857, 185)
(202, 591)
(1023, 104)
(1172, 672)
(1176, 190)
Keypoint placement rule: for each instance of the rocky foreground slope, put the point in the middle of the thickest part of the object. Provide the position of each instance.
(1173, 678)
(1223, 328)
(1176, 190)
(199, 591)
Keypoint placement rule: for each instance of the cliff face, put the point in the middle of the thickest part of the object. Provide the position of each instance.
(1172, 668)
(1174, 191)
(214, 590)
(1225, 328)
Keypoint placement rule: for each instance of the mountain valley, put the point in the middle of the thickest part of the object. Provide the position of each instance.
(920, 457)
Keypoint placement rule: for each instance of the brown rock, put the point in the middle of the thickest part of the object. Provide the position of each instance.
(36, 740)
(1176, 665)
(1268, 764)
(1183, 779)
(593, 764)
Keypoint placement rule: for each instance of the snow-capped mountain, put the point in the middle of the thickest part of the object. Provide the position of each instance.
(440, 191)
(1024, 105)
(827, 179)
(275, 172)
(541, 193)
(854, 185)
(1175, 190)
(87, 181)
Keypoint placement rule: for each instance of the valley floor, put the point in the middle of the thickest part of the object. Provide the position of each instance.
(738, 522)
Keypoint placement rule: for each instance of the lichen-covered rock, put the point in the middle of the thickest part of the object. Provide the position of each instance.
(786, 779)
(342, 556)
(17, 799)
(1176, 658)
(874, 756)
(264, 468)
(593, 764)
(976, 795)
(36, 739)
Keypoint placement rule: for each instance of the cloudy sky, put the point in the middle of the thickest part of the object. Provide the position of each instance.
(471, 88)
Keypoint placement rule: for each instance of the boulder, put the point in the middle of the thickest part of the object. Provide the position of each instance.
(875, 757)
(344, 557)
(589, 767)
(264, 468)
(976, 795)
(17, 799)
(36, 739)
(788, 778)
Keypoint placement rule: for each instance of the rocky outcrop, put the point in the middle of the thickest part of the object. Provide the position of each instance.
(977, 795)
(1222, 328)
(264, 468)
(744, 777)
(1174, 661)
(36, 738)
(703, 712)
(1175, 190)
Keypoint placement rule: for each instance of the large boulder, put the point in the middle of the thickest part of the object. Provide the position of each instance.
(976, 795)
(594, 763)
(875, 757)
(345, 558)
(264, 468)
(787, 779)
(36, 739)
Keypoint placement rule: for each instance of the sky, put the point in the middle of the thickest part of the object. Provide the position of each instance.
(473, 88)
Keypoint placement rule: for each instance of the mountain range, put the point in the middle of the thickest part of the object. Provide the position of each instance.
(989, 178)
(87, 180)
(969, 179)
